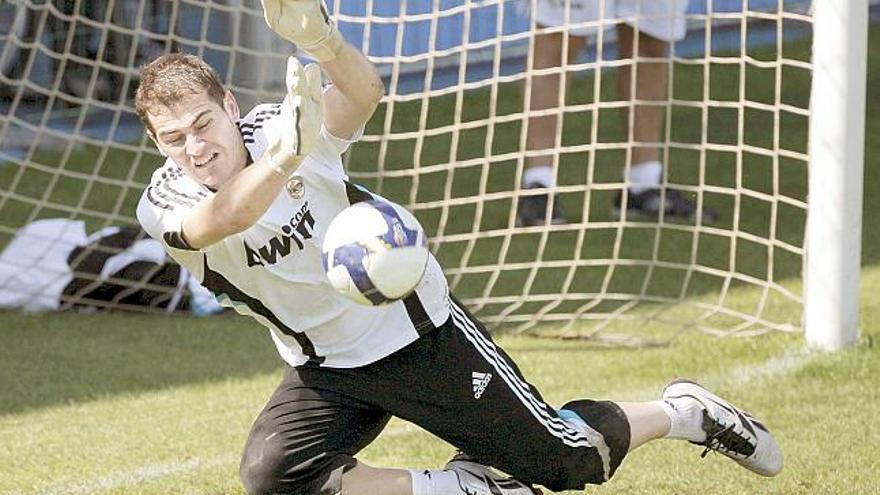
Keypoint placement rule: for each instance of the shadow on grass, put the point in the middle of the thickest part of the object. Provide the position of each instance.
(57, 359)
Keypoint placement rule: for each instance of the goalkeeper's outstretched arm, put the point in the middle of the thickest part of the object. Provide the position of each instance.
(355, 93)
(356, 89)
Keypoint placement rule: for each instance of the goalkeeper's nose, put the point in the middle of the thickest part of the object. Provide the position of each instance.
(195, 145)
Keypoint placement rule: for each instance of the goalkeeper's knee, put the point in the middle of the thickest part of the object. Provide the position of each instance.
(268, 468)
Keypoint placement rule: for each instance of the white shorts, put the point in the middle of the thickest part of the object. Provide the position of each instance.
(662, 19)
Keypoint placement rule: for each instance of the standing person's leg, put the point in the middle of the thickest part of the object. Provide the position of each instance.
(644, 37)
(545, 92)
(650, 86)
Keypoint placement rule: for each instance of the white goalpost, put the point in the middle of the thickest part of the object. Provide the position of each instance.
(765, 103)
(834, 216)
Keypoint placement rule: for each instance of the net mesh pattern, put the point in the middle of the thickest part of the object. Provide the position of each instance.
(449, 142)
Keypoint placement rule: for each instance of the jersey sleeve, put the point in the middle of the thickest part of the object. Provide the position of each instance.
(161, 210)
(328, 147)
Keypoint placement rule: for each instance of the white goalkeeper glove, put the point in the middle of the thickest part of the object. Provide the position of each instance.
(306, 24)
(292, 136)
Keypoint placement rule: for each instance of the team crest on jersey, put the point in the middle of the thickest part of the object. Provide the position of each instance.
(299, 228)
(295, 187)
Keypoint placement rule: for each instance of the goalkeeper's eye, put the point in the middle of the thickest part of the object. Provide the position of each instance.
(203, 127)
(175, 141)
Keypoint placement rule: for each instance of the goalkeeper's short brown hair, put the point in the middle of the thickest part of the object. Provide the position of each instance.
(169, 78)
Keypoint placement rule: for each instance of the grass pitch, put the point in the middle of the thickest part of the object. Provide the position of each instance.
(136, 404)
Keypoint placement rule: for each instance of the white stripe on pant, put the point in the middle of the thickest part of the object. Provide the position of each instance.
(581, 435)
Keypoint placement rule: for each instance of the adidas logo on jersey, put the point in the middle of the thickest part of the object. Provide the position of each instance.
(480, 382)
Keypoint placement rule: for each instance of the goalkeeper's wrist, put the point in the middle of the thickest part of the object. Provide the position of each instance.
(327, 48)
(282, 163)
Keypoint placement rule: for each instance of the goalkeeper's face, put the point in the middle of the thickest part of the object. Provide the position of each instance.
(202, 137)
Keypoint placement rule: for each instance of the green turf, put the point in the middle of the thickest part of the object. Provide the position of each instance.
(150, 405)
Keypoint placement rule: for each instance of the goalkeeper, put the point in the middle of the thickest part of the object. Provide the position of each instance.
(243, 203)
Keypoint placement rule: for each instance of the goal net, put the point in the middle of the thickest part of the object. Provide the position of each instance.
(449, 142)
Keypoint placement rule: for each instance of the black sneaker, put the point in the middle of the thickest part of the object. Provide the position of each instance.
(532, 209)
(646, 205)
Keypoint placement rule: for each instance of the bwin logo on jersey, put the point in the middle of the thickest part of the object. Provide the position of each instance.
(480, 382)
(296, 230)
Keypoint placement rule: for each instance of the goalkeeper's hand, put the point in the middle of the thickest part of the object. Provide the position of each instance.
(292, 136)
(306, 24)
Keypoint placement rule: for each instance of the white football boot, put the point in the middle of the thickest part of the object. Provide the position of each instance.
(731, 431)
(476, 479)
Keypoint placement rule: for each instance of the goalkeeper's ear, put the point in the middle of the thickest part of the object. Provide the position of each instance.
(230, 106)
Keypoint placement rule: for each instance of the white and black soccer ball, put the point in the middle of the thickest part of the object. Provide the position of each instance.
(375, 252)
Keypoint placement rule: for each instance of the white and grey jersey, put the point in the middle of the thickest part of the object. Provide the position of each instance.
(272, 271)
